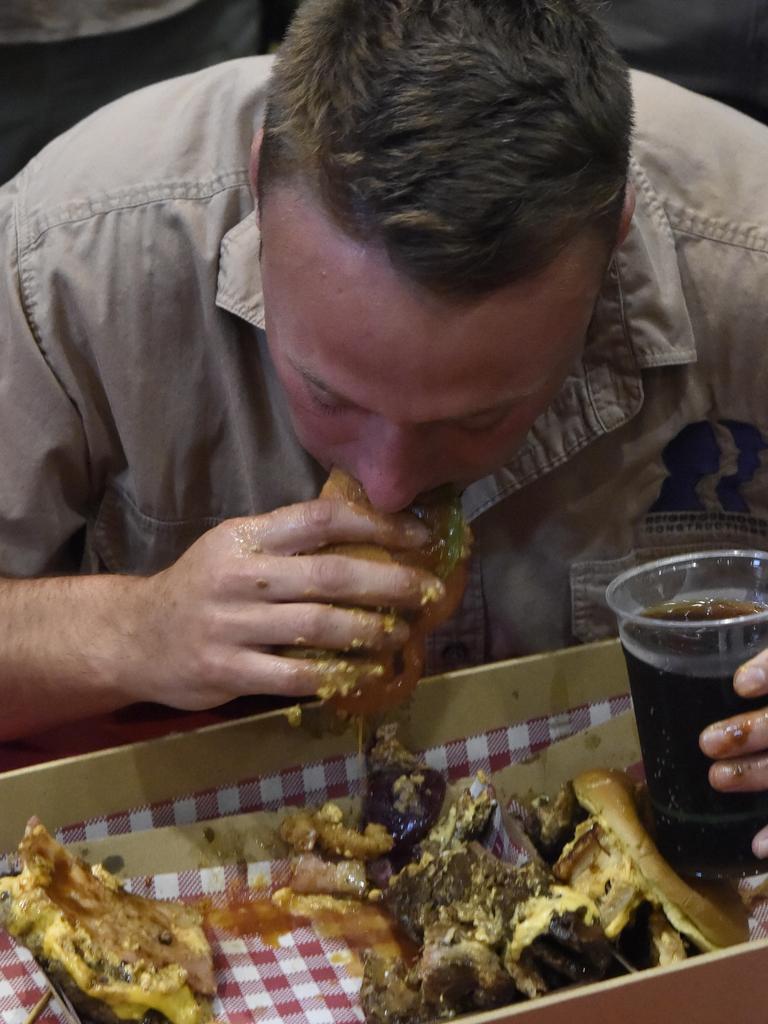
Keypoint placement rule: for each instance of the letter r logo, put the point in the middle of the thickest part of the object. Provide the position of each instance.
(695, 454)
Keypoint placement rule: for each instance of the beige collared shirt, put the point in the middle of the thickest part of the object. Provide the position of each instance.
(139, 406)
(46, 21)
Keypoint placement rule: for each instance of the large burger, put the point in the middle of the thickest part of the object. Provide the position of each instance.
(362, 683)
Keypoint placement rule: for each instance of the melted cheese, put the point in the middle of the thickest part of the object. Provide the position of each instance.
(36, 921)
(533, 917)
(608, 876)
(616, 865)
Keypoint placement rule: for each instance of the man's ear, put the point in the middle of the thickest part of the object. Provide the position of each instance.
(253, 166)
(626, 213)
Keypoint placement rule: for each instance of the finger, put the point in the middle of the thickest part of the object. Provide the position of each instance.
(751, 679)
(249, 671)
(740, 775)
(315, 625)
(310, 525)
(742, 734)
(336, 579)
(760, 844)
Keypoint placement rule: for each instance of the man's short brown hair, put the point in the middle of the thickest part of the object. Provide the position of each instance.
(471, 138)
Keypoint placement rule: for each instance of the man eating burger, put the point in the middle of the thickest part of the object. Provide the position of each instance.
(422, 245)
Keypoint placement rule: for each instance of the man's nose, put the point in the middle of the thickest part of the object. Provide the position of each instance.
(392, 466)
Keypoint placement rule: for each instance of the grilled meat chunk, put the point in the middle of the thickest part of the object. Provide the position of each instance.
(387, 752)
(550, 821)
(390, 994)
(572, 950)
(312, 874)
(595, 864)
(468, 883)
(467, 818)
(325, 828)
(459, 973)
(454, 974)
(490, 933)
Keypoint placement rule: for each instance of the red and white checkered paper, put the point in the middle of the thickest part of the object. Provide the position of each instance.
(309, 978)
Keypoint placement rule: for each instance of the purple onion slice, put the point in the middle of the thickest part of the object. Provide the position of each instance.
(406, 804)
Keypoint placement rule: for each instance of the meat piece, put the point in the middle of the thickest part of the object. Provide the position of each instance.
(526, 976)
(110, 950)
(454, 974)
(312, 874)
(337, 838)
(458, 973)
(312, 905)
(571, 950)
(389, 995)
(550, 822)
(596, 865)
(299, 831)
(468, 817)
(667, 946)
(305, 830)
(479, 888)
(580, 854)
(363, 926)
(492, 932)
(388, 753)
(474, 808)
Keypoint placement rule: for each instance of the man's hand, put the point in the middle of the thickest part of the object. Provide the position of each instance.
(739, 745)
(212, 619)
(203, 631)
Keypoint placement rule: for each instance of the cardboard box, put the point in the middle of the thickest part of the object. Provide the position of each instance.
(206, 768)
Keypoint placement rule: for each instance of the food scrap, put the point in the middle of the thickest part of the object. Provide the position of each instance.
(293, 714)
(115, 955)
(437, 924)
(612, 859)
(594, 900)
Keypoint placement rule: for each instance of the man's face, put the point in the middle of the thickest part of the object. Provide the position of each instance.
(404, 389)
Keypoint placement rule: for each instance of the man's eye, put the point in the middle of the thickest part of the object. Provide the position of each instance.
(483, 420)
(325, 401)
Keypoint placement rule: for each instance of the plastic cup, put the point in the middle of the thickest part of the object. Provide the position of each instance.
(686, 624)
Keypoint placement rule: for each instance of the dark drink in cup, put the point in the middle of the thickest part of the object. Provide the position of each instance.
(686, 624)
(700, 831)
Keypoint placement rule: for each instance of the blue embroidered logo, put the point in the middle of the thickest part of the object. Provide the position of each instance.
(695, 454)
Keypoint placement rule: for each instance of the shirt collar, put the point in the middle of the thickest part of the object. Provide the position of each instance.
(640, 321)
(238, 288)
(654, 307)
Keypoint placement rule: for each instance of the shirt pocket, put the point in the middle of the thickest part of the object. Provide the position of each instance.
(126, 540)
(660, 536)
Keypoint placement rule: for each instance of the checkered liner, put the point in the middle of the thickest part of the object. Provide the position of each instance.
(340, 776)
(308, 978)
